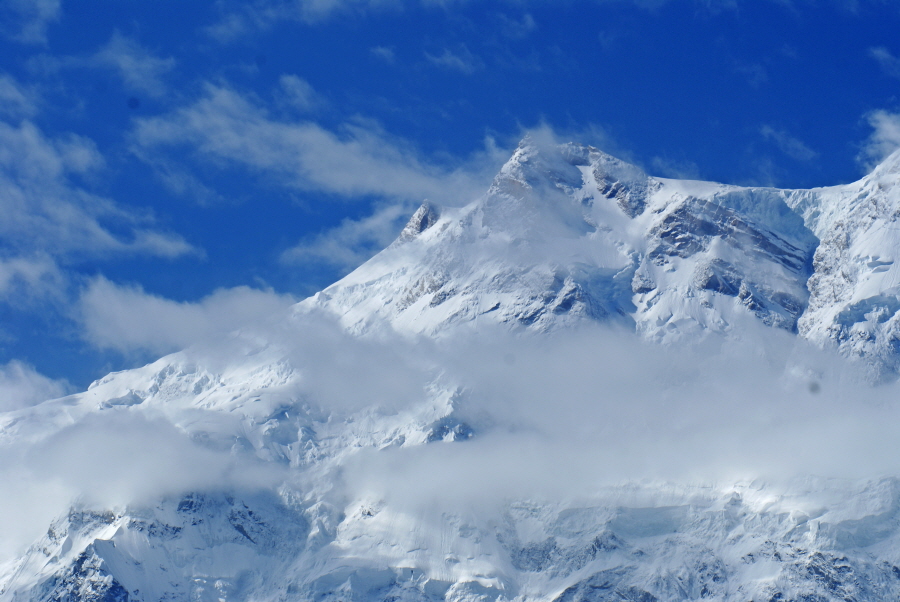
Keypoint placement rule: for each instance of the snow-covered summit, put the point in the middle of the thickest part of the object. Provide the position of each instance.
(567, 232)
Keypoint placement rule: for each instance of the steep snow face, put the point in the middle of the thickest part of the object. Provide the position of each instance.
(567, 233)
(855, 287)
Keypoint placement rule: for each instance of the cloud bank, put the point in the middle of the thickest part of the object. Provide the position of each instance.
(561, 416)
(22, 386)
(127, 319)
(570, 415)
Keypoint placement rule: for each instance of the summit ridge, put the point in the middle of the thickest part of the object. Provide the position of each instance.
(567, 232)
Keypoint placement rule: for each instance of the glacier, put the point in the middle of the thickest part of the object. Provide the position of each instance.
(588, 384)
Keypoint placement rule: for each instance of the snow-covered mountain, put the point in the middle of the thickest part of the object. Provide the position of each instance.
(254, 468)
(569, 232)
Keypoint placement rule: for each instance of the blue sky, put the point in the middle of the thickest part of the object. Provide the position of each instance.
(171, 169)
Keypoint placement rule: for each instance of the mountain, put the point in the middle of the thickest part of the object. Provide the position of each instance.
(570, 232)
(449, 422)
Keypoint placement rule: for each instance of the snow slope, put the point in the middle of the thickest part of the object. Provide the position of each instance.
(855, 288)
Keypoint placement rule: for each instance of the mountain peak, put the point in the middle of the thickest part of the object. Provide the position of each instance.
(424, 217)
(565, 233)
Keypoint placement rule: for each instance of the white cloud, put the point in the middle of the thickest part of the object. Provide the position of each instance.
(44, 212)
(884, 140)
(114, 458)
(139, 69)
(557, 416)
(297, 92)
(358, 160)
(127, 319)
(22, 386)
(354, 241)
(681, 170)
(242, 19)
(27, 20)
(517, 28)
(790, 146)
(30, 277)
(16, 102)
(385, 53)
(462, 60)
(565, 415)
(108, 461)
(890, 64)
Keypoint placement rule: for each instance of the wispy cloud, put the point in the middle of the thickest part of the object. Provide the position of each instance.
(26, 21)
(21, 386)
(354, 241)
(385, 53)
(461, 60)
(16, 101)
(140, 70)
(358, 160)
(29, 277)
(884, 140)
(755, 73)
(517, 28)
(890, 64)
(43, 210)
(50, 224)
(789, 145)
(242, 19)
(129, 320)
(297, 93)
(670, 168)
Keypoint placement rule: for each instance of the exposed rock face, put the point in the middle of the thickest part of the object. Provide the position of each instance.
(424, 217)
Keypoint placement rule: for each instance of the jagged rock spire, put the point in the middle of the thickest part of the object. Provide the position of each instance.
(424, 217)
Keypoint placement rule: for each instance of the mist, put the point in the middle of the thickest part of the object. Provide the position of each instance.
(571, 414)
(560, 416)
